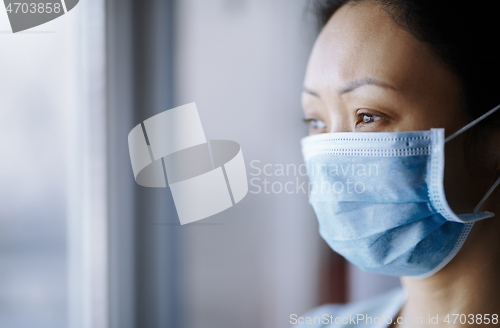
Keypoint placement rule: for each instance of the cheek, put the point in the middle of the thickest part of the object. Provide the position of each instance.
(419, 120)
(428, 106)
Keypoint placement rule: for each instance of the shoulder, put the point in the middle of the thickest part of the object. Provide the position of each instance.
(340, 315)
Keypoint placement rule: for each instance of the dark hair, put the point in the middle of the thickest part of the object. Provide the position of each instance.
(462, 34)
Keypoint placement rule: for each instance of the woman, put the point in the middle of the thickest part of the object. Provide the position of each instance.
(399, 186)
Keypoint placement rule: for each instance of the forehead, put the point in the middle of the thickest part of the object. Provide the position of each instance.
(361, 41)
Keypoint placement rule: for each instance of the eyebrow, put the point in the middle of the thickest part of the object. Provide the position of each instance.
(350, 86)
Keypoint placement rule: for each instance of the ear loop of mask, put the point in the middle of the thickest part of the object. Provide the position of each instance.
(462, 130)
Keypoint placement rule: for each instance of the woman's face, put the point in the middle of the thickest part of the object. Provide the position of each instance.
(366, 73)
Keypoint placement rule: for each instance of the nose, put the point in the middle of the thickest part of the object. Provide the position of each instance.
(339, 121)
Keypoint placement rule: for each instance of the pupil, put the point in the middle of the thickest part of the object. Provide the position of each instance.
(367, 119)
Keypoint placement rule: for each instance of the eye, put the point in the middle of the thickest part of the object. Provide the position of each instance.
(365, 118)
(315, 124)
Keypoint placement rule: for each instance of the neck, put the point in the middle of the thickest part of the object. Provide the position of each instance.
(469, 284)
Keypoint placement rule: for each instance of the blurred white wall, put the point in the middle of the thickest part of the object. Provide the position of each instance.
(36, 88)
(52, 172)
(243, 62)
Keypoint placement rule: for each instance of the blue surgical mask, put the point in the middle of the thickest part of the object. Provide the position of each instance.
(380, 200)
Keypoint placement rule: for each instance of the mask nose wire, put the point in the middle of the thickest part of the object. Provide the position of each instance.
(471, 124)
